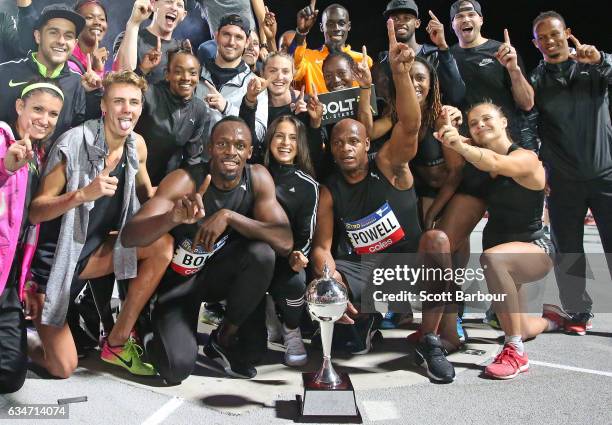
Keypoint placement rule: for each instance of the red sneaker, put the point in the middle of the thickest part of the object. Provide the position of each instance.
(555, 314)
(415, 337)
(579, 324)
(507, 364)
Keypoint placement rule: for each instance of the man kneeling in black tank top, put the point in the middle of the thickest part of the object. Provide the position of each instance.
(227, 226)
(378, 196)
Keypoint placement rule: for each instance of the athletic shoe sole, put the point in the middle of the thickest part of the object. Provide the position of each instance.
(300, 362)
(521, 369)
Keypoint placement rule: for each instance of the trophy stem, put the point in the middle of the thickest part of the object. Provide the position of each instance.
(327, 375)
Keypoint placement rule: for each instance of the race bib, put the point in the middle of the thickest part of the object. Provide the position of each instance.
(376, 232)
(185, 262)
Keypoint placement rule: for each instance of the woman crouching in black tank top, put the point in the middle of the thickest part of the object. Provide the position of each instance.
(288, 160)
(515, 248)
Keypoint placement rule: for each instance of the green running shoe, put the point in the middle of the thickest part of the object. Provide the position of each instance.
(127, 357)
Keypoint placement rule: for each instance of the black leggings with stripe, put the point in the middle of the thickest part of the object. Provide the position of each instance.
(287, 290)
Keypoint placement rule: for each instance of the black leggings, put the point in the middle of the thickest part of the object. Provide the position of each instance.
(239, 273)
(13, 347)
(288, 289)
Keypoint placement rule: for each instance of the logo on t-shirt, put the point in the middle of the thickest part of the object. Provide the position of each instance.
(375, 232)
(486, 61)
(186, 262)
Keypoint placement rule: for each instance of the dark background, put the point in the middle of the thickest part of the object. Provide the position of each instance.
(589, 20)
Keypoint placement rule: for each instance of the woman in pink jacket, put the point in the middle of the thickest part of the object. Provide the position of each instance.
(38, 110)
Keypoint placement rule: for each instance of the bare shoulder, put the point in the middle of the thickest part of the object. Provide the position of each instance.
(262, 180)
(141, 146)
(175, 185)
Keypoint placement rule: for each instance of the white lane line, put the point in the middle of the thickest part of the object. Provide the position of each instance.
(164, 411)
(572, 368)
(380, 410)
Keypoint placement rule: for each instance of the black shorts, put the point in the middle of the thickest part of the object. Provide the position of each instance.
(489, 240)
(41, 271)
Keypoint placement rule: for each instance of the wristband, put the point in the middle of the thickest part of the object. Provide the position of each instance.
(303, 34)
(366, 88)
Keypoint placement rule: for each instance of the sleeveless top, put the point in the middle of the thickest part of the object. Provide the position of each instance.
(372, 216)
(240, 199)
(514, 209)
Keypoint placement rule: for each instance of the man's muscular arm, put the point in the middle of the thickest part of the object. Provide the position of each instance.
(394, 156)
(175, 202)
(324, 233)
(270, 223)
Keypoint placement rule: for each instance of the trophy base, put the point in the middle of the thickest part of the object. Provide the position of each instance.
(328, 404)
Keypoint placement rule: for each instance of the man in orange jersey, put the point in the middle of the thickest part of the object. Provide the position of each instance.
(335, 26)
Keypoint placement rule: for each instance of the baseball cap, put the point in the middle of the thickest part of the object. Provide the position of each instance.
(461, 6)
(235, 19)
(62, 11)
(401, 5)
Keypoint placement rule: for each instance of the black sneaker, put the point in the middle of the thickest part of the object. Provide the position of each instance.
(362, 334)
(230, 360)
(430, 354)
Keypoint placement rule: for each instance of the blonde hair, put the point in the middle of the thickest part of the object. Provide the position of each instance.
(124, 77)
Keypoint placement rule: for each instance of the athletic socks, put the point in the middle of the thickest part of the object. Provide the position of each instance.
(552, 325)
(516, 341)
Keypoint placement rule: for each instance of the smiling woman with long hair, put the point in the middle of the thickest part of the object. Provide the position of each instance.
(288, 160)
(516, 251)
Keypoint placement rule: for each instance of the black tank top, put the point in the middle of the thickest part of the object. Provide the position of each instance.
(239, 199)
(104, 217)
(372, 216)
(429, 153)
(514, 209)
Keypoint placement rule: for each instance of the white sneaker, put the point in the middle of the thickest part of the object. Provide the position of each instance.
(273, 325)
(295, 354)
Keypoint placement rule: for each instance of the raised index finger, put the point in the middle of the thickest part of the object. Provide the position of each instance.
(313, 89)
(434, 17)
(506, 36)
(158, 43)
(364, 55)
(204, 187)
(447, 118)
(301, 96)
(313, 5)
(575, 40)
(88, 62)
(212, 89)
(391, 32)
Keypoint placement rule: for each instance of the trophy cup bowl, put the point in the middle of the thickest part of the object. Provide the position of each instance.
(327, 393)
(327, 300)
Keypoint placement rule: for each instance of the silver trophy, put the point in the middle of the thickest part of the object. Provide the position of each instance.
(326, 392)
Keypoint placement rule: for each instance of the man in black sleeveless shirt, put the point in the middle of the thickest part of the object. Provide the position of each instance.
(227, 226)
(381, 193)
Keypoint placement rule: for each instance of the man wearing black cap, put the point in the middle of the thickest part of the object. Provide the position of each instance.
(55, 34)
(571, 94)
(491, 70)
(405, 16)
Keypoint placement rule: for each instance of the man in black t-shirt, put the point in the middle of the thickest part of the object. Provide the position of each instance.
(491, 70)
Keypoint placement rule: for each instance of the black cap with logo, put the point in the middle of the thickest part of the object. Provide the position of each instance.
(401, 6)
(464, 6)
